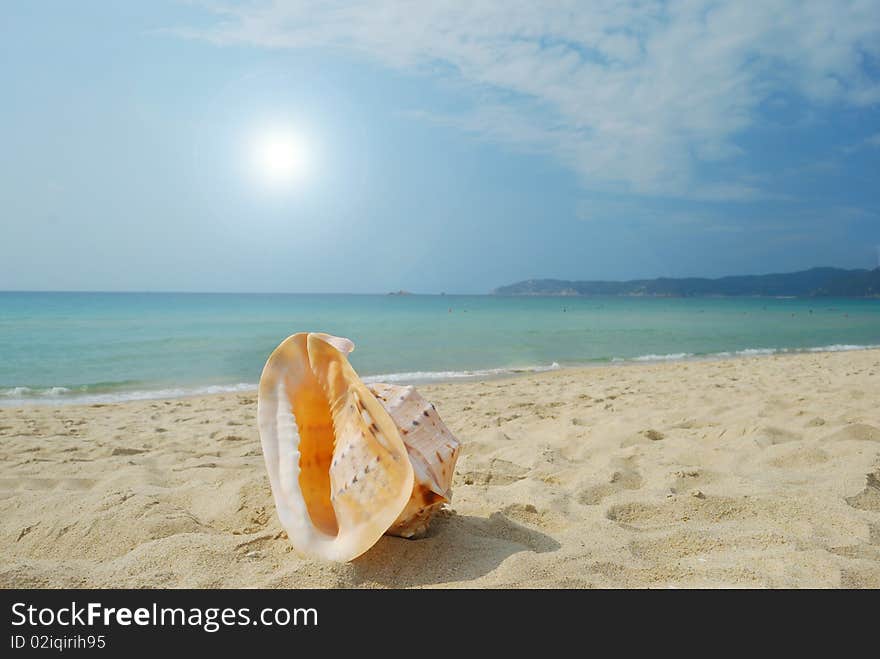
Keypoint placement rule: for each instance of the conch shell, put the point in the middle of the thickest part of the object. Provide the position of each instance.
(348, 462)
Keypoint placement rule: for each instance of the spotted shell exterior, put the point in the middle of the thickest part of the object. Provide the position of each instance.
(432, 450)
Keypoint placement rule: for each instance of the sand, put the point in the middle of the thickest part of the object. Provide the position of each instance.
(750, 472)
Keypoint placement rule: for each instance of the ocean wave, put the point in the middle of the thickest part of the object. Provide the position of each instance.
(842, 347)
(672, 357)
(676, 356)
(24, 395)
(745, 352)
(16, 396)
(56, 391)
(836, 347)
(418, 377)
(15, 392)
(749, 352)
(20, 392)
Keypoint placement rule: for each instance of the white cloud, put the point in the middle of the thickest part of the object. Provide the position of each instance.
(632, 95)
(870, 142)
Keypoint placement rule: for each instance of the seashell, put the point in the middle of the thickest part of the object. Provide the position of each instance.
(347, 462)
(432, 451)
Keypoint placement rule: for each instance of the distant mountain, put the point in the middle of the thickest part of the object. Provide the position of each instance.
(813, 282)
(865, 283)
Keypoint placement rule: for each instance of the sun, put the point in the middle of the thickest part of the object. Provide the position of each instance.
(279, 157)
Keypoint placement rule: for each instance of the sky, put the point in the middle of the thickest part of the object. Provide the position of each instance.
(442, 146)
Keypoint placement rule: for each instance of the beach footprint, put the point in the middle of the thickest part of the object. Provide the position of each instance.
(799, 457)
(695, 506)
(624, 477)
(869, 498)
(771, 435)
(861, 432)
(496, 472)
(527, 513)
(686, 479)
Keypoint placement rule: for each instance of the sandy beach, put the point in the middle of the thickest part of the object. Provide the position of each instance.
(749, 472)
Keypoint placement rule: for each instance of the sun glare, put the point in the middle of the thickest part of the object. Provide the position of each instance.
(279, 157)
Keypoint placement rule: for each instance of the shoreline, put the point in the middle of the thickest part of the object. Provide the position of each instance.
(714, 473)
(489, 374)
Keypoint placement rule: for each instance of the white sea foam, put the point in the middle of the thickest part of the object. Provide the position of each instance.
(55, 391)
(55, 395)
(23, 392)
(16, 396)
(416, 377)
(676, 356)
(841, 347)
(837, 347)
(22, 395)
(16, 392)
(745, 352)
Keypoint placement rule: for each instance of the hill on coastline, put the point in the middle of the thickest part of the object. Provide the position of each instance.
(806, 283)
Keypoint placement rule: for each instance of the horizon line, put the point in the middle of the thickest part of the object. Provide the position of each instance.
(404, 293)
(192, 292)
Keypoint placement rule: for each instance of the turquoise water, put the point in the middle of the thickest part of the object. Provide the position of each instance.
(110, 346)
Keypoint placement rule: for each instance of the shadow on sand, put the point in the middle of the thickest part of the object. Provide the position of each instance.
(457, 548)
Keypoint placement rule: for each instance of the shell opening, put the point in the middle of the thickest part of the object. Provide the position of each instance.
(316, 444)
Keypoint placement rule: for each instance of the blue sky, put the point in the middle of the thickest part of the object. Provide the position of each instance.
(453, 146)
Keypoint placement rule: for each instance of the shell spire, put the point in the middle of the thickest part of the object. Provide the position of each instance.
(432, 450)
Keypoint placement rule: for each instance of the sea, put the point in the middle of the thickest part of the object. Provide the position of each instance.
(60, 348)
